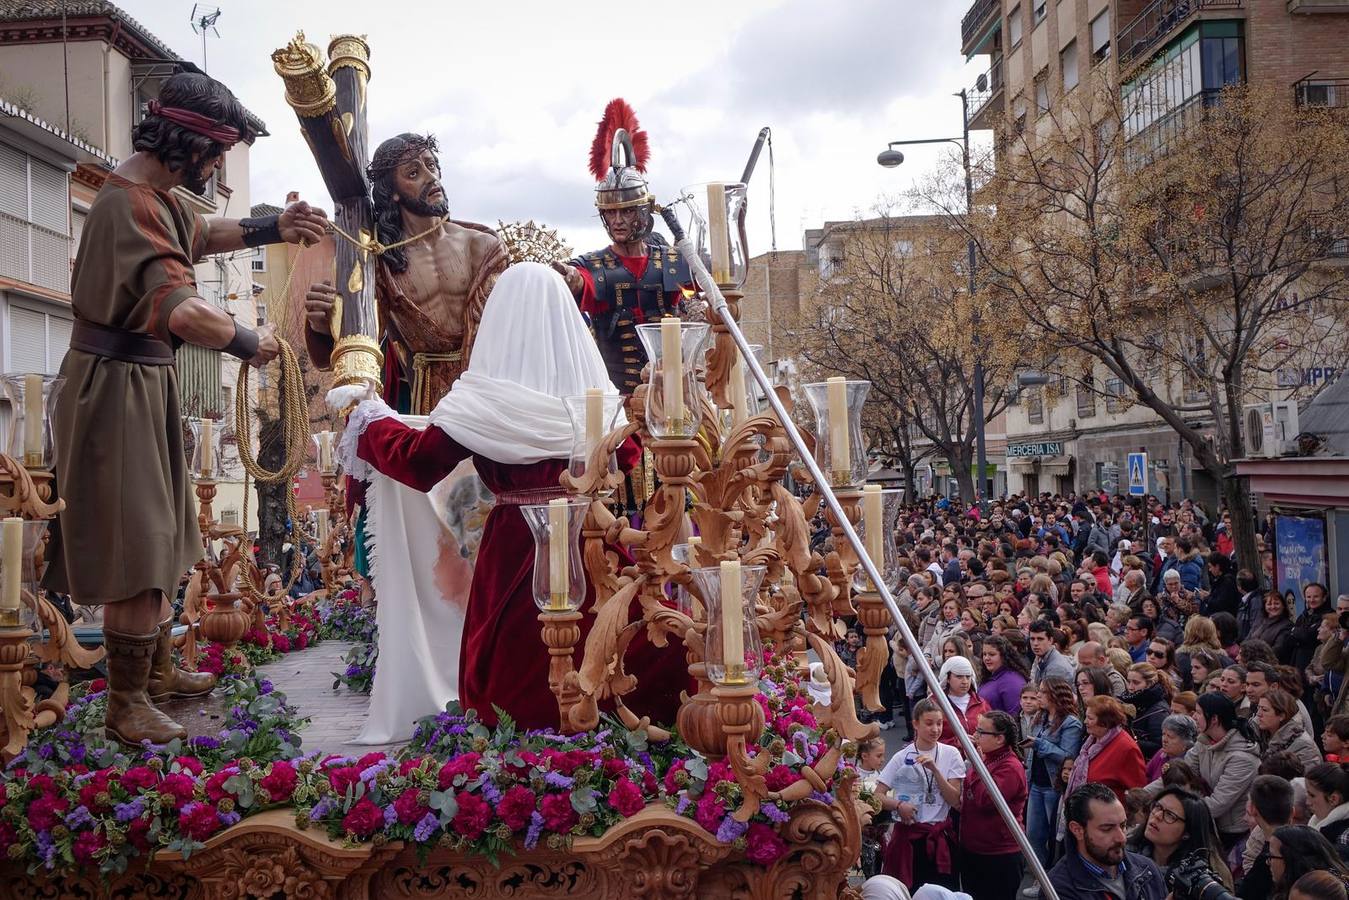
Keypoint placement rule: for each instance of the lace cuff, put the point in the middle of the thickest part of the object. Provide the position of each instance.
(368, 411)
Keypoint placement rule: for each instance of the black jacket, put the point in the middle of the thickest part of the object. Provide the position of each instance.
(1258, 882)
(1305, 643)
(1073, 881)
(1223, 596)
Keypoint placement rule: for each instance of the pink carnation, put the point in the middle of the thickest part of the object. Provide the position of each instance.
(179, 787)
(466, 764)
(516, 807)
(280, 782)
(199, 821)
(709, 812)
(190, 764)
(45, 812)
(558, 814)
(409, 808)
(763, 845)
(86, 846)
(626, 797)
(473, 817)
(363, 819)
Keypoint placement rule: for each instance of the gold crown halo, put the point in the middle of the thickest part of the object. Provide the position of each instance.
(532, 242)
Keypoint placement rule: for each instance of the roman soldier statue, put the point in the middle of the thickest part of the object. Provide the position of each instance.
(639, 277)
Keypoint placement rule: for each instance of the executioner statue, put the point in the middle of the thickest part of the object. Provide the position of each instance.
(432, 277)
(638, 277)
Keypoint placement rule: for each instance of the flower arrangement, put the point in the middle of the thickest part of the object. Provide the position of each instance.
(345, 619)
(75, 800)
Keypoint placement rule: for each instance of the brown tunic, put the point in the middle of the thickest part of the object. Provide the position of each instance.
(130, 522)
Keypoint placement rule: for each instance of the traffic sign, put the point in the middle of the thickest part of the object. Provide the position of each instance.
(1138, 474)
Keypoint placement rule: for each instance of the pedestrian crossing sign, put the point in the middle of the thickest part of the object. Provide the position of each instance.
(1138, 474)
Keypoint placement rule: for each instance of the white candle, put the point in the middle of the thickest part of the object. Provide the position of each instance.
(873, 522)
(732, 622)
(12, 550)
(594, 420)
(32, 420)
(672, 362)
(207, 447)
(559, 557)
(718, 234)
(325, 451)
(739, 401)
(322, 516)
(839, 441)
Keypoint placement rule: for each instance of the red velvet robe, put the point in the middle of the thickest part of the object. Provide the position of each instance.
(504, 661)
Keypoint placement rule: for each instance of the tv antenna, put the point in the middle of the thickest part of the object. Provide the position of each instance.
(203, 20)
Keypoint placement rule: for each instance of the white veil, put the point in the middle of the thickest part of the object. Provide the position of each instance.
(532, 349)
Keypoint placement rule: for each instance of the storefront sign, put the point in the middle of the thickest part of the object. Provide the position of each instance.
(1044, 448)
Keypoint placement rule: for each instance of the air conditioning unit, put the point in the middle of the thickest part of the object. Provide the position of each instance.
(1270, 429)
(1257, 430)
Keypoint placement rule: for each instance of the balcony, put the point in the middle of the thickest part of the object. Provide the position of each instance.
(1327, 92)
(1158, 21)
(984, 17)
(1158, 138)
(1314, 7)
(985, 98)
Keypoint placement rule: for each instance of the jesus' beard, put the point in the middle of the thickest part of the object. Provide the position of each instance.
(422, 207)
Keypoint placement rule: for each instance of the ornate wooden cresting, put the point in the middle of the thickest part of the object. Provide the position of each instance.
(655, 855)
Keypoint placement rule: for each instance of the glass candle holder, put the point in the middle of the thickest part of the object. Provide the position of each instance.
(19, 540)
(714, 219)
(206, 462)
(593, 415)
(734, 653)
(684, 599)
(559, 579)
(879, 505)
(32, 398)
(840, 449)
(325, 442)
(674, 398)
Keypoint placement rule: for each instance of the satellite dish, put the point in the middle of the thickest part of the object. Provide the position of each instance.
(981, 83)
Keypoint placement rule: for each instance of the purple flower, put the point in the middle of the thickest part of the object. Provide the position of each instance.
(558, 780)
(602, 736)
(822, 797)
(79, 816)
(229, 818)
(730, 829)
(369, 774)
(684, 804)
(535, 829)
(490, 792)
(78, 753)
(390, 816)
(125, 812)
(46, 751)
(774, 812)
(204, 743)
(265, 686)
(322, 808)
(425, 828)
(46, 848)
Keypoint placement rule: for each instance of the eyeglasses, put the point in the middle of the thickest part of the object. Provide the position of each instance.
(1167, 815)
(1158, 653)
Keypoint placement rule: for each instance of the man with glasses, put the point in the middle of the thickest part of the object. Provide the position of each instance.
(638, 278)
(1138, 634)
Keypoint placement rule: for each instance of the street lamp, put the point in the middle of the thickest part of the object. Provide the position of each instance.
(890, 158)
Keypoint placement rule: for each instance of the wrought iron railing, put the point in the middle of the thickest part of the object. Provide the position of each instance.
(1314, 91)
(977, 15)
(986, 87)
(1158, 19)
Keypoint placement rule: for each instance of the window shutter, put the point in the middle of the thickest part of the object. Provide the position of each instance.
(51, 197)
(58, 341)
(27, 340)
(1100, 33)
(13, 182)
(76, 230)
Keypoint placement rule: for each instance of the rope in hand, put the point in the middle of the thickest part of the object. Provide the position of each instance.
(293, 413)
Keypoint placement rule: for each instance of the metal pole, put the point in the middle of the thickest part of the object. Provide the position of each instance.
(718, 303)
(981, 454)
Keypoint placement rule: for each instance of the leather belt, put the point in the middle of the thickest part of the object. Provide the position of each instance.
(124, 346)
(528, 497)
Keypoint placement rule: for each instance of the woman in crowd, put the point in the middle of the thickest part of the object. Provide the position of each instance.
(1320, 885)
(1328, 799)
(1276, 715)
(1162, 655)
(1003, 623)
(991, 861)
(1110, 754)
(1091, 682)
(1149, 693)
(1232, 685)
(958, 681)
(948, 622)
(1004, 675)
(1204, 663)
(973, 626)
(1295, 850)
(1164, 625)
(1186, 703)
(1200, 634)
(1275, 629)
(955, 645)
(1056, 738)
(1179, 826)
(1179, 733)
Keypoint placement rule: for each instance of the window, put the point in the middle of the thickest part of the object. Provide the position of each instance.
(1035, 409)
(1068, 63)
(34, 220)
(1041, 93)
(1314, 94)
(1222, 60)
(1100, 37)
(1114, 396)
(1086, 398)
(260, 259)
(903, 248)
(1014, 27)
(38, 340)
(1038, 11)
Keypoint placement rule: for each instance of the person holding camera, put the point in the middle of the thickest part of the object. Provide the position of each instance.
(1179, 828)
(1098, 862)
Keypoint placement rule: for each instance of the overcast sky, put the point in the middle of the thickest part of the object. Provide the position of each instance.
(513, 91)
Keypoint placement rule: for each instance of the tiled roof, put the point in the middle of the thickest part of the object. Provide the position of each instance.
(265, 209)
(46, 10)
(12, 111)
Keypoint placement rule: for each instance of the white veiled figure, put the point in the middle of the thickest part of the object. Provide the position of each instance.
(531, 351)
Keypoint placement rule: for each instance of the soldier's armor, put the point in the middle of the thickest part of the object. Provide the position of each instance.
(630, 301)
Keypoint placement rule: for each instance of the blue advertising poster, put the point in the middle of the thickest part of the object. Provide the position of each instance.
(1299, 553)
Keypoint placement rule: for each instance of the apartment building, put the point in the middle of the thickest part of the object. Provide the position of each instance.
(1168, 59)
(81, 72)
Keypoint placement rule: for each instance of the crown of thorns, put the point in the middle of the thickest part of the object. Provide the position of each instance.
(412, 149)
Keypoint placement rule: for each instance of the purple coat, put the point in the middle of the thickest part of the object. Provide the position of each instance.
(1002, 690)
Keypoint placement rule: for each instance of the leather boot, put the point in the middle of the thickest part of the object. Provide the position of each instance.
(131, 717)
(167, 680)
